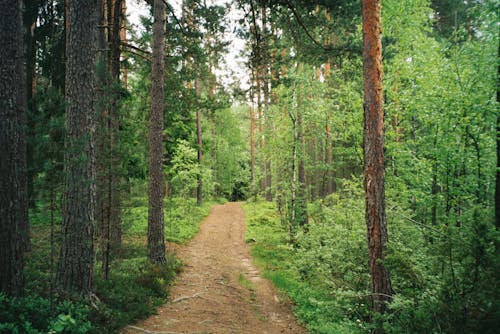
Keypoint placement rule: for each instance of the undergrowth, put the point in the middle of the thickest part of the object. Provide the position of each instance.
(325, 272)
(322, 303)
(132, 291)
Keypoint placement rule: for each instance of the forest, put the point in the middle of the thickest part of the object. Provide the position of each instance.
(360, 139)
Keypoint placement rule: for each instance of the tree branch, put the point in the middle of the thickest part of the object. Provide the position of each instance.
(133, 47)
(311, 37)
(175, 17)
(171, 10)
(134, 50)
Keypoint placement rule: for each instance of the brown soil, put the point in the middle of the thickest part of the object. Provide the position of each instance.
(220, 290)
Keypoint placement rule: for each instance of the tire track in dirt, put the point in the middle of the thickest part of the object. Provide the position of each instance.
(220, 290)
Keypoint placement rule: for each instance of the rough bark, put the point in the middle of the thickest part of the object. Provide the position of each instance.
(13, 189)
(109, 176)
(75, 268)
(156, 237)
(374, 154)
(30, 16)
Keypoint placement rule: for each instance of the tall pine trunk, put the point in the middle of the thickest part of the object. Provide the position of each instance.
(74, 273)
(497, 185)
(156, 188)
(13, 189)
(115, 177)
(374, 154)
(199, 189)
(102, 137)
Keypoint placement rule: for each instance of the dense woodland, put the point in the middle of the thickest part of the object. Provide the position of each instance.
(364, 138)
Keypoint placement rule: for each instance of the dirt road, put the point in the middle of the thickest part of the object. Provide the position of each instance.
(220, 291)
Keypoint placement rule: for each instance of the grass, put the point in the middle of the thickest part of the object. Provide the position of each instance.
(182, 218)
(245, 282)
(314, 306)
(118, 304)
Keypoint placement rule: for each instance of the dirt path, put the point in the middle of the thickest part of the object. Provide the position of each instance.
(220, 291)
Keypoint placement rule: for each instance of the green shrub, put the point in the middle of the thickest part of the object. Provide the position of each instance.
(32, 315)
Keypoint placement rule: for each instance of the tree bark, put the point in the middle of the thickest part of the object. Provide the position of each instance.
(102, 137)
(13, 187)
(301, 214)
(74, 274)
(156, 189)
(497, 185)
(115, 172)
(30, 17)
(123, 39)
(199, 189)
(330, 179)
(252, 145)
(374, 154)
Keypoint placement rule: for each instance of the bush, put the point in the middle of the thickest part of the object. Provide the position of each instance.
(32, 315)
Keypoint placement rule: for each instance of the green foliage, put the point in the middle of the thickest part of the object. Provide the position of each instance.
(229, 153)
(325, 296)
(119, 304)
(32, 315)
(116, 304)
(443, 279)
(183, 218)
(185, 171)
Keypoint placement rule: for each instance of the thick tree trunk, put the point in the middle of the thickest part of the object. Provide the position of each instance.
(75, 267)
(374, 154)
(156, 189)
(13, 189)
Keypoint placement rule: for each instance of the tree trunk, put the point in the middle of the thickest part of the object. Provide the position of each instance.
(13, 188)
(156, 188)
(102, 138)
(199, 189)
(330, 182)
(123, 39)
(374, 154)
(30, 17)
(301, 214)
(75, 267)
(115, 172)
(252, 145)
(497, 186)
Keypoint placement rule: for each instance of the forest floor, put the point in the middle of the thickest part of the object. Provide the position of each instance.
(219, 289)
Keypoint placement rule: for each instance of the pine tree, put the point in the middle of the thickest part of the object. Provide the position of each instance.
(374, 154)
(13, 190)
(156, 188)
(75, 267)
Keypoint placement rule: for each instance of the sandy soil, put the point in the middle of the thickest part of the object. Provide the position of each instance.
(220, 290)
